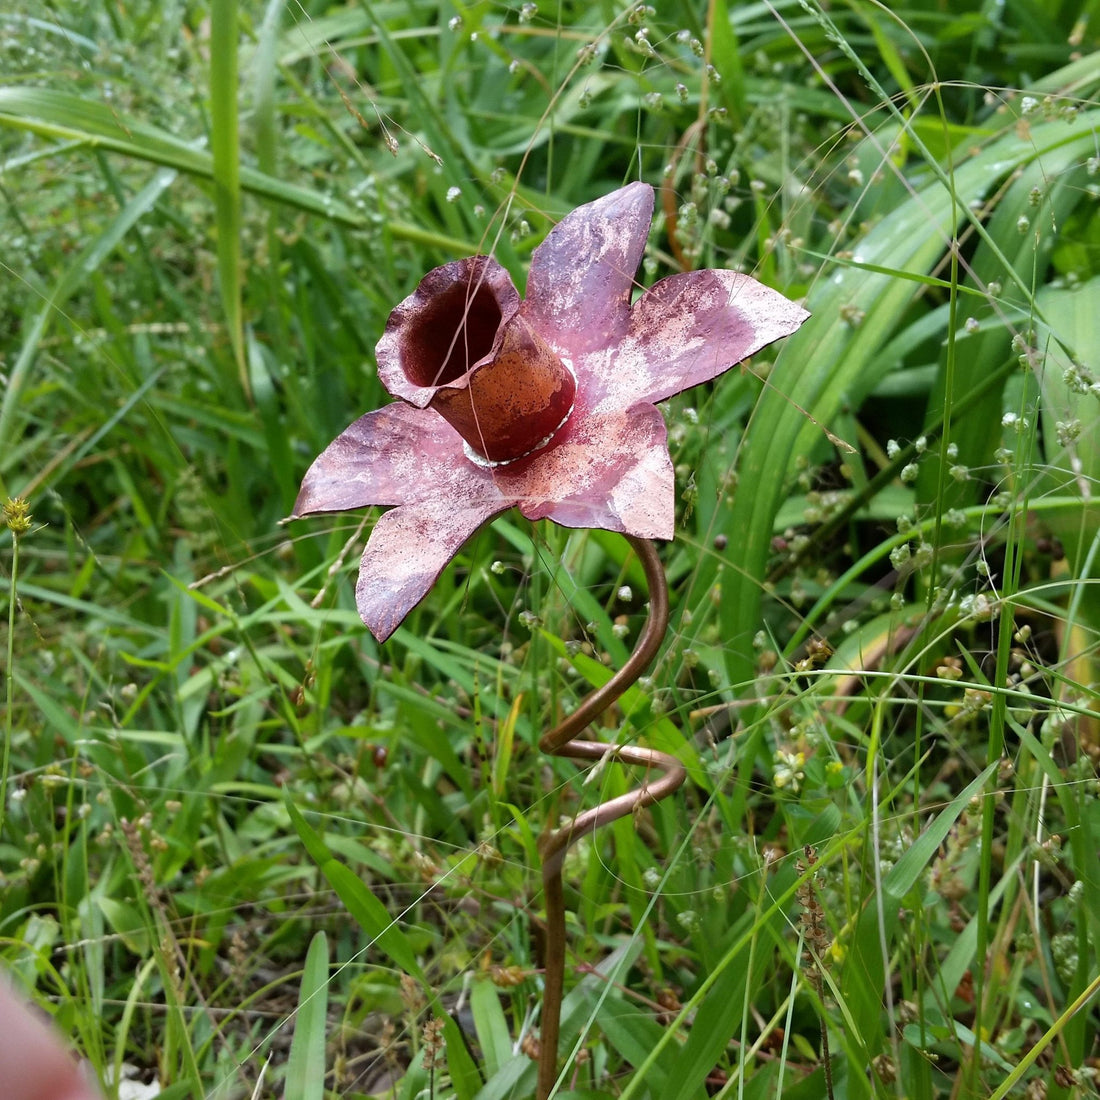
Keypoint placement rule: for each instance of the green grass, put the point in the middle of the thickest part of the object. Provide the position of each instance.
(241, 842)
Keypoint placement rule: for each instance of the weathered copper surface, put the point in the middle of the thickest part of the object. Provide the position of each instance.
(462, 346)
(558, 391)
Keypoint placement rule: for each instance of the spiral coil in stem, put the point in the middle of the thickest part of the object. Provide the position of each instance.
(553, 846)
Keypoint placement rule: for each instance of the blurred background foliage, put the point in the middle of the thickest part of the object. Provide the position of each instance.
(884, 577)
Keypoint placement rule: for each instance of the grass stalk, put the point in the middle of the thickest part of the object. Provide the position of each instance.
(18, 520)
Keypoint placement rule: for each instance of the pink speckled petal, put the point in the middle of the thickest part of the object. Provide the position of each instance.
(687, 329)
(582, 275)
(396, 455)
(610, 471)
(407, 550)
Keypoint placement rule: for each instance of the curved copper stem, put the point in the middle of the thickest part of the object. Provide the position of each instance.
(553, 846)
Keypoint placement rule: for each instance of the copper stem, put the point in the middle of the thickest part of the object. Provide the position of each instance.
(553, 846)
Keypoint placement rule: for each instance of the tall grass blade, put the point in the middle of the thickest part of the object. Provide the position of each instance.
(225, 145)
(305, 1069)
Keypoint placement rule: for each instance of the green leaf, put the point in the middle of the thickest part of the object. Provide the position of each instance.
(86, 123)
(634, 1034)
(491, 1026)
(305, 1071)
(75, 276)
(865, 968)
(373, 917)
(226, 149)
(128, 922)
(832, 362)
(718, 1018)
(369, 913)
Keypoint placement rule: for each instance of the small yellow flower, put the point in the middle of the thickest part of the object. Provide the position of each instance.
(17, 515)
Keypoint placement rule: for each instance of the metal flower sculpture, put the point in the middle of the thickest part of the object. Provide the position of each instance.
(546, 405)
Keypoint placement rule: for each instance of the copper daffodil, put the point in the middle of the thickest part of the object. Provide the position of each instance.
(544, 404)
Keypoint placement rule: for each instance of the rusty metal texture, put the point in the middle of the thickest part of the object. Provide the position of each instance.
(545, 405)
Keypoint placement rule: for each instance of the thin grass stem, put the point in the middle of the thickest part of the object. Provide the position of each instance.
(18, 522)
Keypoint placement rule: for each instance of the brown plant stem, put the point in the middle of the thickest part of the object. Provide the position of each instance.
(554, 846)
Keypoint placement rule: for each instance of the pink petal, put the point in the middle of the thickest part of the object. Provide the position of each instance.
(407, 550)
(444, 327)
(610, 470)
(687, 329)
(582, 275)
(396, 455)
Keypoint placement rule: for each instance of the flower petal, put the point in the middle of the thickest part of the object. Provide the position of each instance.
(444, 327)
(582, 275)
(610, 470)
(396, 455)
(687, 329)
(407, 550)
